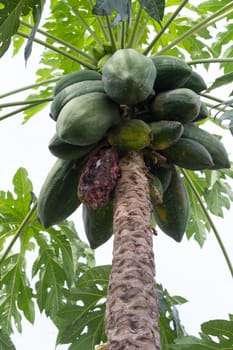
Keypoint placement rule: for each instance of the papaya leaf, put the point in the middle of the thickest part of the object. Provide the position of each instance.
(154, 8)
(36, 12)
(5, 342)
(227, 116)
(220, 329)
(221, 81)
(107, 7)
(10, 13)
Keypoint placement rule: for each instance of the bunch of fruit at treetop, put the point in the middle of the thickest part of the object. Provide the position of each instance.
(137, 103)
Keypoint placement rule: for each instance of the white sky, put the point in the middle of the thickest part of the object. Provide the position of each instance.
(199, 275)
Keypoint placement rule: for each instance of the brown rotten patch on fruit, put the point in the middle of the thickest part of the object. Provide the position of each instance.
(99, 178)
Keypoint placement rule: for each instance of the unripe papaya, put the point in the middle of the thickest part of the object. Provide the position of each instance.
(130, 135)
(165, 133)
(86, 119)
(98, 224)
(172, 72)
(172, 214)
(180, 104)
(64, 150)
(189, 154)
(203, 113)
(195, 82)
(58, 195)
(213, 145)
(71, 91)
(75, 77)
(128, 77)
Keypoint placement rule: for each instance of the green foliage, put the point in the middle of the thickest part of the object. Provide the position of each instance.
(59, 259)
(215, 334)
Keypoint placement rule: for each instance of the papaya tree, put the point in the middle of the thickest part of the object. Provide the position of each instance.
(124, 86)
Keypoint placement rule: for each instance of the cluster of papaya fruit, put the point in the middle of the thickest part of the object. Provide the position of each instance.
(138, 103)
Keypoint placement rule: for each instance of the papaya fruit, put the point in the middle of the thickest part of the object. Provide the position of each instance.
(172, 214)
(75, 77)
(156, 188)
(98, 224)
(130, 135)
(58, 195)
(203, 113)
(71, 91)
(213, 145)
(64, 150)
(85, 119)
(128, 77)
(189, 154)
(172, 72)
(165, 133)
(164, 175)
(180, 104)
(195, 82)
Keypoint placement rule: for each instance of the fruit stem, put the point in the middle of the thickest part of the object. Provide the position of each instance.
(111, 34)
(123, 35)
(53, 48)
(18, 232)
(159, 34)
(25, 102)
(100, 23)
(131, 40)
(58, 40)
(206, 22)
(217, 236)
(32, 86)
(210, 60)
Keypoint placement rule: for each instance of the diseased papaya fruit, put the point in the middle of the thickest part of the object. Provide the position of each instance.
(130, 135)
(172, 72)
(85, 119)
(165, 133)
(75, 77)
(98, 224)
(58, 195)
(128, 77)
(203, 113)
(64, 150)
(180, 104)
(189, 154)
(213, 145)
(195, 82)
(172, 214)
(156, 188)
(71, 91)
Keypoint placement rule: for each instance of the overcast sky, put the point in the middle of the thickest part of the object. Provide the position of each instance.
(199, 275)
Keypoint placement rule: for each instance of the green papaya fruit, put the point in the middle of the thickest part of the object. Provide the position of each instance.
(71, 91)
(165, 133)
(164, 175)
(64, 150)
(75, 77)
(213, 145)
(172, 214)
(180, 104)
(156, 188)
(189, 154)
(195, 82)
(128, 77)
(58, 195)
(85, 119)
(203, 113)
(131, 135)
(98, 224)
(172, 72)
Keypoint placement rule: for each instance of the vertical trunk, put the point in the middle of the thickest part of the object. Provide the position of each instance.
(131, 320)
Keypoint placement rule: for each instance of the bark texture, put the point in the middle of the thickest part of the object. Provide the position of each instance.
(131, 319)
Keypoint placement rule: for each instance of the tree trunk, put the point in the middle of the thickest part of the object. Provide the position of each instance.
(131, 319)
